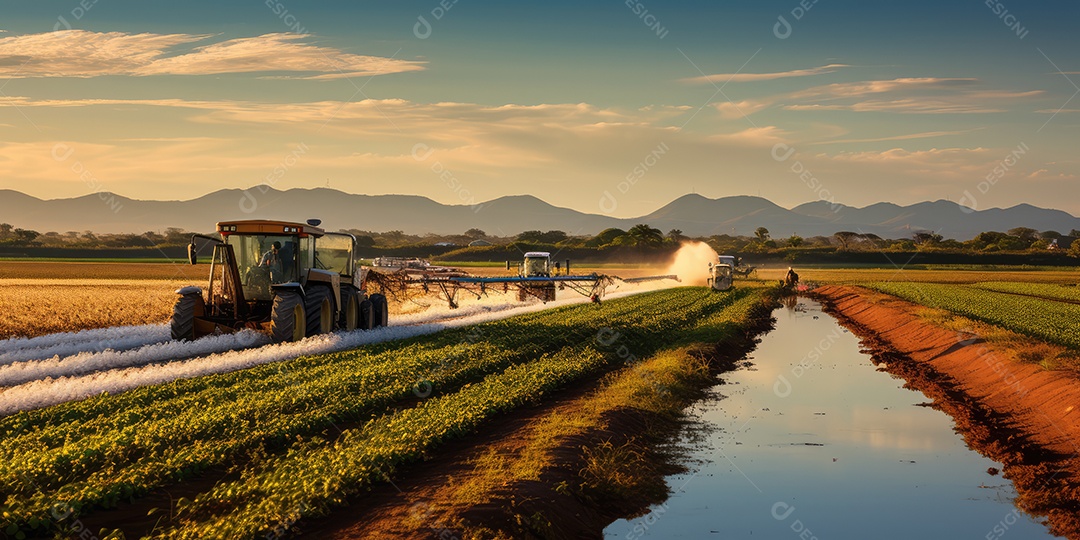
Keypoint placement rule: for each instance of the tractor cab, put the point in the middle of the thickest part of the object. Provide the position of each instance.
(720, 276)
(537, 264)
(270, 253)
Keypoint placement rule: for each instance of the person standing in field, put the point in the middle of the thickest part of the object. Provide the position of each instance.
(792, 279)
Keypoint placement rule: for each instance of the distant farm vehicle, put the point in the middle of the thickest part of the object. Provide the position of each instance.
(287, 280)
(720, 276)
(537, 277)
(738, 267)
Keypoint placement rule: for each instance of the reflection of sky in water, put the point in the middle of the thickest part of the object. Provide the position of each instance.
(846, 453)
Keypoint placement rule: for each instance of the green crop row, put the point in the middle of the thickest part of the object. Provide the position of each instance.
(109, 449)
(1043, 290)
(1049, 320)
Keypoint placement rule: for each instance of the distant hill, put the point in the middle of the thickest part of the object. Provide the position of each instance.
(694, 214)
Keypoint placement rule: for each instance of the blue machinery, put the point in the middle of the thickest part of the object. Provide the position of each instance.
(537, 278)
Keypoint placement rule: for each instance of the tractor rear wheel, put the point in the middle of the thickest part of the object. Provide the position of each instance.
(288, 322)
(380, 310)
(367, 315)
(350, 309)
(320, 311)
(187, 307)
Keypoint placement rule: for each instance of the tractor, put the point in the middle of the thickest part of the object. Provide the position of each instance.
(287, 280)
(720, 276)
(537, 264)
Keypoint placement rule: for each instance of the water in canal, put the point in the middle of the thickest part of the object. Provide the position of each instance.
(811, 441)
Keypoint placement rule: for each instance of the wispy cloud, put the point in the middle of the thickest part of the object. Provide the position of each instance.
(753, 77)
(906, 137)
(82, 54)
(739, 109)
(917, 95)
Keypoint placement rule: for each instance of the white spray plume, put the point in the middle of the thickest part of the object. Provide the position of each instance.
(691, 262)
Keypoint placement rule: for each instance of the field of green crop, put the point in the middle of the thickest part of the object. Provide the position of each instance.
(297, 438)
(1054, 321)
(1064, 293)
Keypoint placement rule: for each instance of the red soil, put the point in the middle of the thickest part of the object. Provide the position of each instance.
(1017, 413)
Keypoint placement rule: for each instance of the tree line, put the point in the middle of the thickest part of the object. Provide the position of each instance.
(639, 237)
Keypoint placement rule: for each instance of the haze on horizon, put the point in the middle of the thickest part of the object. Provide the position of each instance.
(614, 108)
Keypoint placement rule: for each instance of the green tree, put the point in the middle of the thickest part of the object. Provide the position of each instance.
(475, 234)
(794, 241)
(1026, 235)
(845, 238)
(644, 235)
(762, 234)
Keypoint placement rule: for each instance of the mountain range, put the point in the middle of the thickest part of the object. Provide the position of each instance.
(694, 214)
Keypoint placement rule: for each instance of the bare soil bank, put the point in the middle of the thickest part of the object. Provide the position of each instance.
(1017, 413)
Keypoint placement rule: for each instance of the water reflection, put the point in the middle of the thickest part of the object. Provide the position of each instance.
(812, 441)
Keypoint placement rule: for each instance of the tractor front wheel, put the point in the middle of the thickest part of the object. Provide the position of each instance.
(187, 307)
(288, 321)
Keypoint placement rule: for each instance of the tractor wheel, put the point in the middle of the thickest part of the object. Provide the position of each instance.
(187, 307)
(320, 311)
(367, 315)
(288, 322)
(350, 309)
(380, 310)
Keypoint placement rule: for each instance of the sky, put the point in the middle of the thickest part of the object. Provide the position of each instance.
(612, 107)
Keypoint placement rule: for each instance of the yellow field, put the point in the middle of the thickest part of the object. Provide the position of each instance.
(95, 270)
(70, 305)
(39, 298)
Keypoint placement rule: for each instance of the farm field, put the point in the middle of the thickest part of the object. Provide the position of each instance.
(296, 438)
(1046, 312)
(291, 436)
(925, 275)
(40, 298)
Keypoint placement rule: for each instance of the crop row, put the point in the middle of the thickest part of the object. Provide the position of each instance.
(1043, 290)
(311, 480)
(105, 450)
(1049, 320)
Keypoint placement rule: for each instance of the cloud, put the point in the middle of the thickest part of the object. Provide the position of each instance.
(1047, 175)
(753, 77)
(863, 88)
(756, 136)
(916, 95)
(909, 136)
(82, 54)
(899, 155)
(276, 52)
(740, 109)
(916, 106)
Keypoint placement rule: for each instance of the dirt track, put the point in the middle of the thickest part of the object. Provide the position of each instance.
(1017, 413)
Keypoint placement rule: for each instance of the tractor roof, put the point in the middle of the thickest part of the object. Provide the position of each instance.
(537, 254)
(267, 226)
